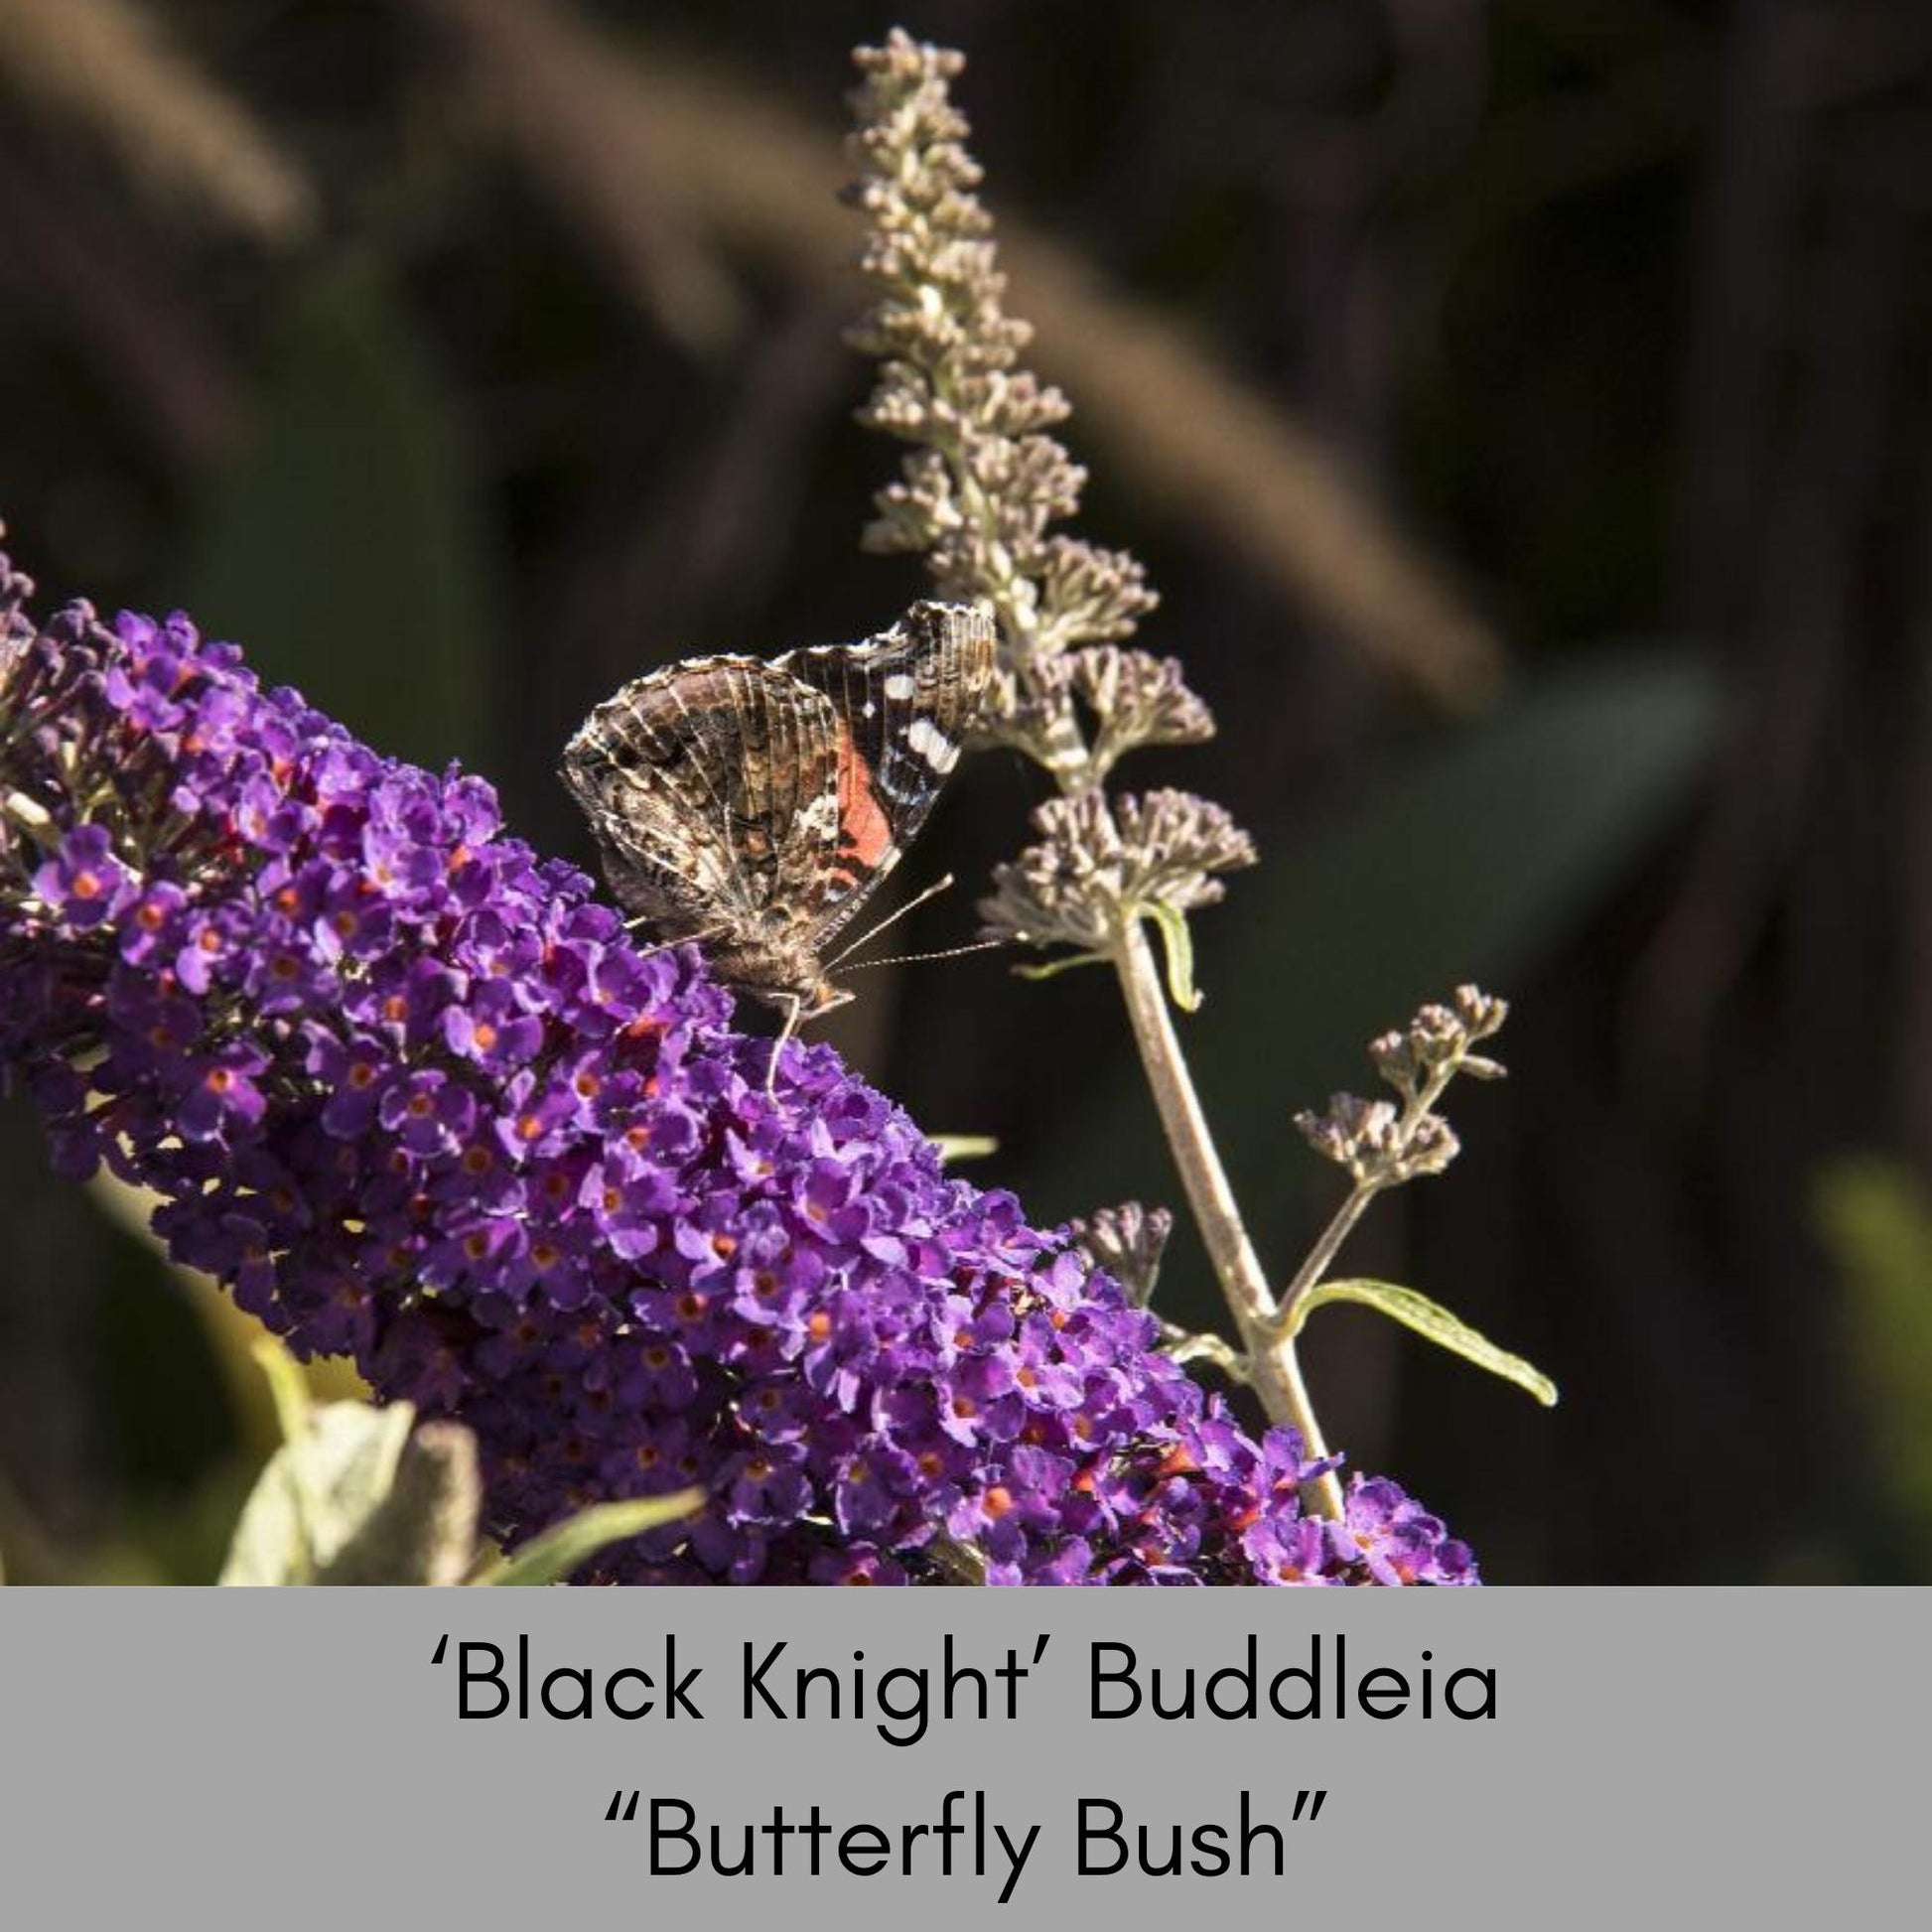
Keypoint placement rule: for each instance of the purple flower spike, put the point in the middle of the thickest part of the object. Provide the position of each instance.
(413, 1096)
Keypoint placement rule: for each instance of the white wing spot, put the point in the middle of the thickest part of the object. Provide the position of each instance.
(900, 687)
(933, 744)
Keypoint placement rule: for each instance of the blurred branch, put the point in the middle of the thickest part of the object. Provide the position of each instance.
(1800, 660)
(1752, 200)
(111, 64)
(739, 491)
(563, 99)
(608, 124)
(95, 281)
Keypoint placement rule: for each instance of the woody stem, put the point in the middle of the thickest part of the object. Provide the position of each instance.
(1274, 1369)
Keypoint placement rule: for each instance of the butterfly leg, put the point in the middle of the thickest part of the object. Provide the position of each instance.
(668, 945)
(793, 1007)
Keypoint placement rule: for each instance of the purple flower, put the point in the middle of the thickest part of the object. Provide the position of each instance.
(412, 1094)
(84, 883)
(216, 1096)
(1397, 1538)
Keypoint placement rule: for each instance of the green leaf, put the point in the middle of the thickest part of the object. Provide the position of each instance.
(1432, 1320)
(1179, 947)
(355, 1494)
(342, 548)
(569, 1544)
(287, 1387)
(319, 1492)
(1875, 1221)
(965, 1147)
(1052, 968)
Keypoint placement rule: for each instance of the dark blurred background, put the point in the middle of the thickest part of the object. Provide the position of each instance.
(1525, 411)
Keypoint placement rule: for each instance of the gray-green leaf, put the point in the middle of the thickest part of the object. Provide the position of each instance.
(1179, 944)
(319, 1492)
(1432, 1320)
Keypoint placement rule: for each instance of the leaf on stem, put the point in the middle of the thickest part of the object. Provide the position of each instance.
(1052, 968)
(566, 1548)
(323, 1490)
(965, 1147)
(1178, 946)
(1432, 1320)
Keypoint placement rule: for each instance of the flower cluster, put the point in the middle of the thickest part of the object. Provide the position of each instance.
(1100, 862)
(412, 1094)
(1381, 1145)
(1128, 1241)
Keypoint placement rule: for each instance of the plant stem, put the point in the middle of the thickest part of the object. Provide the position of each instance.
(1318, 1257)
(1275, 1373)
(1284, 1318)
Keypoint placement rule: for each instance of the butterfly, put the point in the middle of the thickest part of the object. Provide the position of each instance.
(755, 806)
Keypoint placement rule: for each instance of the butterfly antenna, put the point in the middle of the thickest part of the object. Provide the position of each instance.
(918, 958)
(892, 918)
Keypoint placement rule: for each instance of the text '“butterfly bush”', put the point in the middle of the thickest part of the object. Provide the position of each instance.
(414, 1096)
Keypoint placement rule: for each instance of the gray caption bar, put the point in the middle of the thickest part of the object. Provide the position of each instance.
(276, 1758)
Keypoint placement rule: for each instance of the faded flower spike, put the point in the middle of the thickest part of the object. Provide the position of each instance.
(412, 1096)
(1437, 1042)
(1373, 1142)
(1136, 699)
(983, 480)
(1126, 1242)
(1382, 1145)
(1096, 867)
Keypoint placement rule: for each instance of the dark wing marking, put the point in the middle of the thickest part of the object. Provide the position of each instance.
(700, 782)
(905, 700)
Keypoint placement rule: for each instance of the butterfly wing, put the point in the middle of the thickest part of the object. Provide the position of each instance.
(704, 783)
(902, 702)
